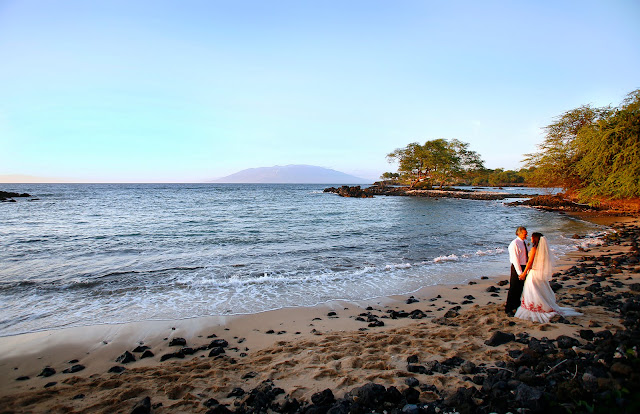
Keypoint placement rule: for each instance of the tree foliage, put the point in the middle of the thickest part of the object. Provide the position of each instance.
(390, 176)
(499, 177)
(594, 152)
(437, 161)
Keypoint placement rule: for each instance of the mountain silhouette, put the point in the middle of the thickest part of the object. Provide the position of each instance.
(291, 174)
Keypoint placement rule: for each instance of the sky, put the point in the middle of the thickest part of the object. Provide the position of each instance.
(189, 91)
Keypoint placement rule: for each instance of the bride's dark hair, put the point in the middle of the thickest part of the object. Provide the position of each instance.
(535, 239)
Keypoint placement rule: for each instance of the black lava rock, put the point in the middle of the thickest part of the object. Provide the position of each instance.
(126, 358)
(417, 314)
(565, 342)
(412, 382)
(143, 407)
(47, 372)
(586, 334)
(147, 354)
(218, 343)
(370, 395)
(529, 397)
(500, 338)
(219, 409)
(236, 392)
(417, 369)
(178, 342)
(188, 351)
(74, 369)
(178, 355)
(451, 313)
(411, 395)
(323, 398)
(216, 351)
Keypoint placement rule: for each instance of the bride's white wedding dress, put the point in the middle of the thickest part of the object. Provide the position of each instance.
(538, 302)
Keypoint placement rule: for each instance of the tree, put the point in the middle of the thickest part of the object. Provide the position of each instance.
(438, 160)
(390, 176)
(558, 153)
(410, 161)
(593, 152)
(610, 153)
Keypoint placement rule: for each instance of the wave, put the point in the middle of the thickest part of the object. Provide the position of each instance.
(450, 258)
(398, 266)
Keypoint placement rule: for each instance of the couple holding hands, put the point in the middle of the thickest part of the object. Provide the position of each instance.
(530, 295)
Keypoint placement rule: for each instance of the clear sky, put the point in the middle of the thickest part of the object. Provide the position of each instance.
(166, 91)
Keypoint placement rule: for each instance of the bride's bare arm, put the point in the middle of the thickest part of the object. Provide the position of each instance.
(532, 255)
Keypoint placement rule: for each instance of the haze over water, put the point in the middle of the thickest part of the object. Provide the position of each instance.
(112, 253)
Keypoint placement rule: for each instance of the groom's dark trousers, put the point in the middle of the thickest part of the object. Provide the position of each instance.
(515, 291)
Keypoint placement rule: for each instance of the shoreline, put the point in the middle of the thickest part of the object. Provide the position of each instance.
(302, 350)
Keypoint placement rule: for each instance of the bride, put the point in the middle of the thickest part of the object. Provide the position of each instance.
(538, 302)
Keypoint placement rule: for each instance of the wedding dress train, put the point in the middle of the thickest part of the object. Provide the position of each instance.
(538, 301)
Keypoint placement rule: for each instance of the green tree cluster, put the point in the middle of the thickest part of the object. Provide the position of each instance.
(438, 161)
(499, 177)
(593, 152)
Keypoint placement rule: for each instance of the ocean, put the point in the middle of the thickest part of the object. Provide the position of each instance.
(87, 254)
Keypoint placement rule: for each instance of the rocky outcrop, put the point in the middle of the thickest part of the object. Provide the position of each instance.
(346, 191)
(9, 196)
(386, 190)
(556, 202)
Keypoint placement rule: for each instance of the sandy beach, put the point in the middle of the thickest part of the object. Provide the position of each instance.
(427, 346)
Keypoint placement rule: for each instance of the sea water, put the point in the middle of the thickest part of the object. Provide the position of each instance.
(86, 254)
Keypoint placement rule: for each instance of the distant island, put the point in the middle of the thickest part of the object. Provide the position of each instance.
(291, 174)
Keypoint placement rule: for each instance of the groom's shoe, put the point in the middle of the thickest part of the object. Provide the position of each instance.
(510, 313)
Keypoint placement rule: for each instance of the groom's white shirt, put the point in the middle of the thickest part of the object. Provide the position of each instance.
(517, 254)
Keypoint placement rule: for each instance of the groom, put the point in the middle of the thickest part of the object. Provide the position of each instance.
(518, 257)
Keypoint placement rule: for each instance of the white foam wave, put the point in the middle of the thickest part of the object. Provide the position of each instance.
(497, 250)
(398, 266)
(589, 242)
(450, 258)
